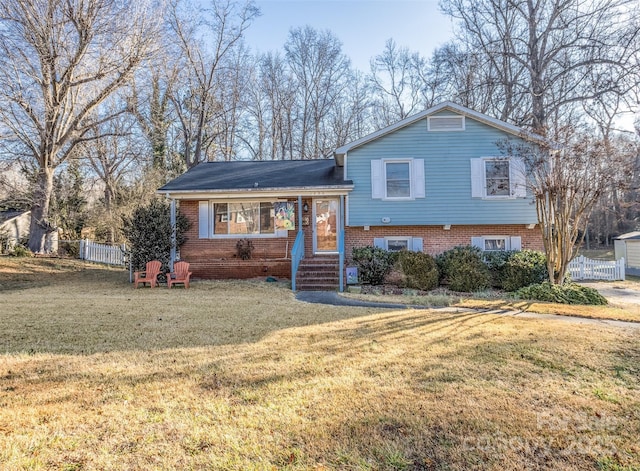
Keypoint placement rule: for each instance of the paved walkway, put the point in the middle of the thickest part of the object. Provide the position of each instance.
(615, 292)
(334, 299)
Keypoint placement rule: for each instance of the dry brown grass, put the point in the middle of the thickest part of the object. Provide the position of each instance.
(96, 375)
(616, 310)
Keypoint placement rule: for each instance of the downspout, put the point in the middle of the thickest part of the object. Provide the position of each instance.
(172, 256)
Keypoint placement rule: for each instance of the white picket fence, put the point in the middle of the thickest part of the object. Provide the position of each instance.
(102, 253)
(583, 268)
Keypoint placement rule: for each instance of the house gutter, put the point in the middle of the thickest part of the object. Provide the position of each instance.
(251, 193)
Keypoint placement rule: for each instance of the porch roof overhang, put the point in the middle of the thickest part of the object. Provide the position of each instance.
(259, 179)
(263, 193)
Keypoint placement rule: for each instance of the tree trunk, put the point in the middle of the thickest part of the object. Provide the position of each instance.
(108, 196)
(40, 226)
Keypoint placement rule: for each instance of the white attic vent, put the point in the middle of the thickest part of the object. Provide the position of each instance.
(445, 123)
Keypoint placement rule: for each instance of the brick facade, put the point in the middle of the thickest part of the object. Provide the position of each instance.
(217, 259)
(436, 239)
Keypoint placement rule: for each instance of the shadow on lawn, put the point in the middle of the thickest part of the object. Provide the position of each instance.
(341, 386)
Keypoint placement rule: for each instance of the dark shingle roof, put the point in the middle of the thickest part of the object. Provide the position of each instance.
(259, 175)
(10, 214)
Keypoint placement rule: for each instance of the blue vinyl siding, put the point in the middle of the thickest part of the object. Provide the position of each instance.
(447, 157)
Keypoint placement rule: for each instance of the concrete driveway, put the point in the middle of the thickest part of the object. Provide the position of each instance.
(616, 292)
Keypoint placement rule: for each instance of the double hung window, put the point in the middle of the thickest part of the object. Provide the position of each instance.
(242, 218)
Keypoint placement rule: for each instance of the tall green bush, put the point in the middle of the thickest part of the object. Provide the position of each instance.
(522, 269)
(373, 263)
(463, 269)
(496, 261)
(148, 231)
(420, 270)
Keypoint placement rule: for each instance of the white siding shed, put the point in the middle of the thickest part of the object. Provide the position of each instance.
(628, 246)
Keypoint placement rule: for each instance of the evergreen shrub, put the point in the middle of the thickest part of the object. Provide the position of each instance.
(463, 269)
(373, 263)
(148, 232)
(522, 269)
(568, 293)
(420, 270)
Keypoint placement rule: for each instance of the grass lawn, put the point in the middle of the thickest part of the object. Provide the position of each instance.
(615, 310)
(240, 375)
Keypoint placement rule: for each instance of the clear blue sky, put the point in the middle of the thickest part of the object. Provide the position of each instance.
(363, 26)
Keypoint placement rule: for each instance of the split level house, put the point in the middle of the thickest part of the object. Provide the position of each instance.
(428, 183)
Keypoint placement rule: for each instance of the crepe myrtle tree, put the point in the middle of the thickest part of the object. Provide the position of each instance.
(148, 231)
(566, 181)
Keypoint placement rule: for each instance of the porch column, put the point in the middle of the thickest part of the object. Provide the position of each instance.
(341, 243)
(172, 256)
(299, 213)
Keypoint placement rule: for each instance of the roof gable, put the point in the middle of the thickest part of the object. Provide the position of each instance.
(451, 107)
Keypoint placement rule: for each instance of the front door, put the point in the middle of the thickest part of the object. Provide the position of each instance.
(325, 225)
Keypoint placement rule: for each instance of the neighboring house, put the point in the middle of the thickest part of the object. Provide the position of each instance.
(14, 227)
(430, 182)
(628, 246)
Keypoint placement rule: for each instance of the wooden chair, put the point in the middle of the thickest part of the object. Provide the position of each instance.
(180, 274)
(150, 275)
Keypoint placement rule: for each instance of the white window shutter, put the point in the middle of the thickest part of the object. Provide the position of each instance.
(516, 243)
(416, 244)
(478, 242)
(477, 178)
(203, 219)
(518, 176)
(377, 179)
(417, 178)
(379, 243)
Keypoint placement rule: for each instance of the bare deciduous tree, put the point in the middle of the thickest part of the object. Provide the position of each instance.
(149, 100)
(551, 55)
(111, 156)
(208, 38)
(320, 69)
(59, 60)
(396, 83)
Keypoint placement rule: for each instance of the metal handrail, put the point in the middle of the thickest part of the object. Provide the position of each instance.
(341, 259)
(297, 254)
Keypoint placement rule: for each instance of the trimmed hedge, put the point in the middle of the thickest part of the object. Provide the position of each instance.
(462, 267)
(420, 270)
(569, 293)
(523, 269)
(373, 263)
(495, 261)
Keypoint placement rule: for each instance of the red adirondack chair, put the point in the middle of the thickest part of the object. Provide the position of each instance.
(150, 275)
(180, 274)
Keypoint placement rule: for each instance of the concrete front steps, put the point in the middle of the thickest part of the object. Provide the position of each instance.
(318, 273)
